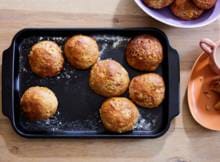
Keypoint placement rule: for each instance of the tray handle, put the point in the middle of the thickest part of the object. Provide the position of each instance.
(7, 62)
(174, 81)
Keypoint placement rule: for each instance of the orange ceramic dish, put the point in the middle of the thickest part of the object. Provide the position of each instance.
(201, 99)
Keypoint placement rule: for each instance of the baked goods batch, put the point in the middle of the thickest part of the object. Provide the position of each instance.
(183, 9)
(107, 78)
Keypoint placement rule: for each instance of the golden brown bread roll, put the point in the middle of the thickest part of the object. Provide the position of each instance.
(108, 78)
(147, 90)
(119, 114)
(38, 103)
(144, 52)
(81, 51)
(46, 59)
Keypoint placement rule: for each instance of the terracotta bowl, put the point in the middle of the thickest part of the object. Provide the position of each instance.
(201, 99)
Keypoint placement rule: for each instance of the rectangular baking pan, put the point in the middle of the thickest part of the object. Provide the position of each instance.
(77, 114)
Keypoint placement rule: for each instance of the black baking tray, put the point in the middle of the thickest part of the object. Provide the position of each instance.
(77, 114)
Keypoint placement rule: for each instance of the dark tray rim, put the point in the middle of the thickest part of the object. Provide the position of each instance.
(8, 85)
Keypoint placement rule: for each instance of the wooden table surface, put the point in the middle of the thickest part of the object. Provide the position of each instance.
(185, 141)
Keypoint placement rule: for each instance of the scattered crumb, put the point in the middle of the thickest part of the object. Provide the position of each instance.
(207, 94)
(41, 38)
(215, 86)
(217, 106)
(103, 48)
(200, 79)
(207, 108)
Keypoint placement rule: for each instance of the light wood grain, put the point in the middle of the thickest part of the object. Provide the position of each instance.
(185, 141)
